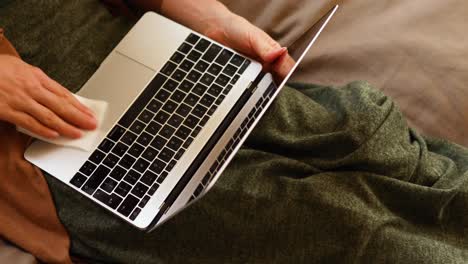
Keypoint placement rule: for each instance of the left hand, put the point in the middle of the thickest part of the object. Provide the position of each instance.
(238, 33)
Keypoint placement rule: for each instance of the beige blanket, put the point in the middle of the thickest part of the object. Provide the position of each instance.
(415, 51)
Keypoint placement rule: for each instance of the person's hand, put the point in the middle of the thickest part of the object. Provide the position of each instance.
(32, 100)
(214, 20)
(238, 33)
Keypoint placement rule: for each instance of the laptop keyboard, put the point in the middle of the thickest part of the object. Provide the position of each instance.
(234, 141)
(142, 148)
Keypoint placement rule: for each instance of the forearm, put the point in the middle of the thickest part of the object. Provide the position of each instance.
(200, 15)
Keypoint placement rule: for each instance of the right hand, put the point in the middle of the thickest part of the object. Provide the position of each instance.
(32, 100)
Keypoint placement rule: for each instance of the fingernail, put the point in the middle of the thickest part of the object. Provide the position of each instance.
(54, 134)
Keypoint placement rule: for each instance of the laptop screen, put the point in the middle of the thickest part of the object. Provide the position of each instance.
(299, 47)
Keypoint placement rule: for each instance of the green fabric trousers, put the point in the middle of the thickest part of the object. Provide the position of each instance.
(330, 175)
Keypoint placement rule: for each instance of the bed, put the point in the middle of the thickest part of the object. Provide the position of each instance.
(414, 51)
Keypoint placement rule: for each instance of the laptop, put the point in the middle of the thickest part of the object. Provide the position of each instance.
(180, 107)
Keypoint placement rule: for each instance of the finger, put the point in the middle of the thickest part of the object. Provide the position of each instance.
(61, 107)
(31, 124)
(61, 91)
(266, 48)
(274, 55)
(283, 66)
(51, 120)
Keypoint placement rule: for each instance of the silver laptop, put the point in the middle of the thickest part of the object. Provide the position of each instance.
(180, 107)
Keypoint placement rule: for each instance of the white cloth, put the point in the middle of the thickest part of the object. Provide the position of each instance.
(88, 139)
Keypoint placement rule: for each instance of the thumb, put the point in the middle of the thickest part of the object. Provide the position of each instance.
(265, 48)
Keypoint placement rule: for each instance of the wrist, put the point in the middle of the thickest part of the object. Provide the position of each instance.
(203, 16)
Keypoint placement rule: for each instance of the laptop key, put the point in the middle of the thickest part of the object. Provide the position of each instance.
(237, 60)
(78, 180)
(136, 150)
(109, 185)
(127, 161)
(118, 173)
(183, 110)
(223, 80)
(244, 66)
(95, 180)
(230, 70)
(141, 165)
(129, 138)
(132, 177)
(215, 90)
(207, 100)
(167, 131)
(97, 156)
(139, 190)
(120, 149)
(170, 106)
(178, 96)
(150, 153)
(163, 95)
(201, 66)
(177, 57)
(123, 189)
(186, 86)
(162, 177)
(153, 189)
(144, 201)
(137, 127)
(175, 120)
(135, 214)
(191, 121)
(212, 52)
(224, 57)
(174, 143)
(235, 79)
(171, 165)
(144, 139)
(186, 65)
(128, 205)
(200, 89)
(166, 154)
(183, 132)
(199, 111)
(202, 45)
(179, 75)
(162, 117)
(116, 133)
(215, 69)
(154, 106)
(194, 76)
(142, 100)
(179, 154)
(146, 116)
(191, 99)
(170, 85)
(148, 178)
(204, 120)
(188, 142)
(194, 55)
(207, 79)
(153, 128)
(111, 160)
(185, 48)
(168, 68)
(192, 38)
(157, 166)
(158, 142)
(106, 145)
(87, 168)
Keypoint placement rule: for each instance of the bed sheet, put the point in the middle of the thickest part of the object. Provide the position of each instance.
(414, 51)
